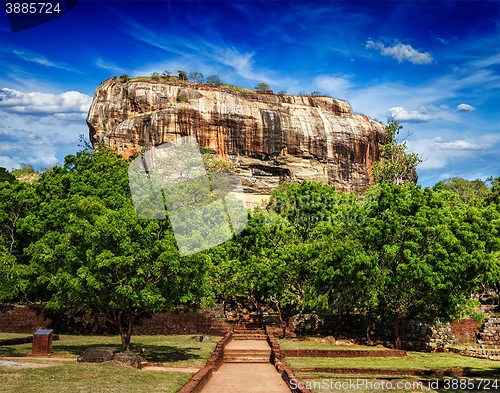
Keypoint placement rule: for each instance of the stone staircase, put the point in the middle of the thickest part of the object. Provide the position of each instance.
(248, 346)
(249, 334)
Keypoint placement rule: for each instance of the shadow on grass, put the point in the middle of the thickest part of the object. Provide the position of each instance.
(167, 353)
(15, 350)
(153, 353)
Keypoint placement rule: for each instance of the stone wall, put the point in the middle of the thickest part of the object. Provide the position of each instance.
(418, 336)
(489, 335)
(27, 319)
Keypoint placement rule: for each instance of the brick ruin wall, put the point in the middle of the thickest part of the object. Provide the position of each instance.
(28, 319)
(214, 322)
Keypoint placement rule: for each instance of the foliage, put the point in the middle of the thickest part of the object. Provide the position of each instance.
(124, 78)
(6, 176)
(85, 144)
(215, 164)
(167, 73)
(182, 75)
(262, 87)
(471, 192)
(397, 165)
(213, 80)
(195, 77)
(398, 251)
(91, 251)
(155, 75)
(432, 253)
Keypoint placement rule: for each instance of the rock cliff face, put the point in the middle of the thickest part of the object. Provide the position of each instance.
(267, 137)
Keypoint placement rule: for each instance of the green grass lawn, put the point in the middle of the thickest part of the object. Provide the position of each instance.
(4, 336)
(316, 343)
(59, 376)
(414, 361)
(172, 351)
(70, 377)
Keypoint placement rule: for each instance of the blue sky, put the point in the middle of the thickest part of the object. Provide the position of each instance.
(433, 65)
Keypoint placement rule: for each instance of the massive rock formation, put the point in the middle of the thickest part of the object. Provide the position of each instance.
(266, 137)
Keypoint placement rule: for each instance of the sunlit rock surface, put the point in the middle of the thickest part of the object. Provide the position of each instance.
(266, 137)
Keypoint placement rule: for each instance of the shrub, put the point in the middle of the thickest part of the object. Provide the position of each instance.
(213, 80)
(262, 87)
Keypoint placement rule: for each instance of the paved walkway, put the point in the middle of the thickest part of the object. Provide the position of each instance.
(246, 377)
(241, 377)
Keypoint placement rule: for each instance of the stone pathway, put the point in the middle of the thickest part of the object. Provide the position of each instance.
(246, 368)
(246, 377)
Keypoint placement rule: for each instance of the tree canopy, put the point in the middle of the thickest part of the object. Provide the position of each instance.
(73, 241)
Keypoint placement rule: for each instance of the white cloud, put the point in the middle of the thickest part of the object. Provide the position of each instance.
(401, 114)
(333, 85)
(10, 163)
(438, 153)
(37, 103)
(465, 108)
(460, 145)
(401, 52)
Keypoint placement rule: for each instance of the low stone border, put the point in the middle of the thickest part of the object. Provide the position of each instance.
(379, 371)
(293, 382)
(201, 378)
(490, 354)
(339, 353)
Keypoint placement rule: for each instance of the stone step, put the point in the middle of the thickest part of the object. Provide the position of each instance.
(249, 331)
(246, 360)
(240, 336)
(247, 352)
(247, 357)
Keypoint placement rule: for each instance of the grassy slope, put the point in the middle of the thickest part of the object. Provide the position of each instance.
(71, 377)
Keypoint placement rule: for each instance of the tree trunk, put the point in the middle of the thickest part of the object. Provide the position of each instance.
(399, 331)
(397, 337)
(125, 324)
(367, 329)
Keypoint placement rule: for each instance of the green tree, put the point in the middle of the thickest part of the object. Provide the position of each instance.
(262, 87)
(471, 192)
(397, 165)
(195, 77)
(6, 176)
(213, 80)
(15, 203)
(182, 75)
(155, 75)
(167, 73)
(9, 283)
(432, 252)
(124, 78)
(90, 251)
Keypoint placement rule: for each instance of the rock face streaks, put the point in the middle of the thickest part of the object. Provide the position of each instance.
(267, 137)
